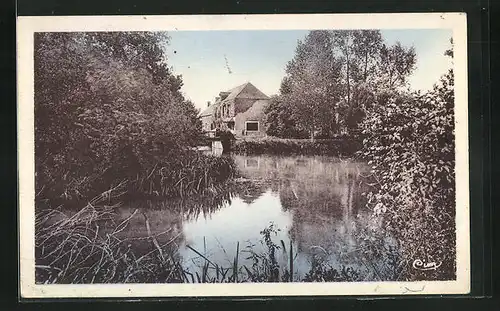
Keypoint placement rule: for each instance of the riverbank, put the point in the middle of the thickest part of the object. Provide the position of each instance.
(177, 174)
(341, 146)
(163, 240)
(77, 249)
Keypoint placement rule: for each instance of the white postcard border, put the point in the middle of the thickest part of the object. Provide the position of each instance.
(27, 26)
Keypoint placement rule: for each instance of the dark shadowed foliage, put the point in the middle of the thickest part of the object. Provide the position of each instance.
(342, 146)
(410, 146)
(108, 109)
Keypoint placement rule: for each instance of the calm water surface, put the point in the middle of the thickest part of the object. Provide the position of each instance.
(314, 203)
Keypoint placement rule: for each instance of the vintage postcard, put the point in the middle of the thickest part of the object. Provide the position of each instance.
(243, 155)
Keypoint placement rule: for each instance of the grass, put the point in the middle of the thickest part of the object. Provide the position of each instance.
(279, 146)
(170, 176)
(186, 176)
(88, 247)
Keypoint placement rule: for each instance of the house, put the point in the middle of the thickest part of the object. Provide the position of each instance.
(240, 110)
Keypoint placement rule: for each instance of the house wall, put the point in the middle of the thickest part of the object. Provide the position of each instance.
(254, 113)
(241, 105)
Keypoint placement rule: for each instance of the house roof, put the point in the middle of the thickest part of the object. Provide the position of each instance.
(252, 93)
(255, 93)
(207, 112)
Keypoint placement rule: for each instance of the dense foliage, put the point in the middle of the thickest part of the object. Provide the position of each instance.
(329, 81)
(341, 146)
(107, 108)
(352, 82)
(410, 147)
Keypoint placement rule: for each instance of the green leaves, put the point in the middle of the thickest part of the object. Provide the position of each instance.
(411, 152)
(101, 95)
(331, 82)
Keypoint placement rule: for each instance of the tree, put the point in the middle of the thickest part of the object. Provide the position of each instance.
(366, 46)
(344, 45)
(368, 64)
(449, 52)
(106, 103)
(396, 63)
(279, 119)
(333, 77)
(410, 147)
(310, 86)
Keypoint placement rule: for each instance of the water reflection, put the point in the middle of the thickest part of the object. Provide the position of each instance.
(316, 203)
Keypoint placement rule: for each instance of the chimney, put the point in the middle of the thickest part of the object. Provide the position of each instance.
(208, 104)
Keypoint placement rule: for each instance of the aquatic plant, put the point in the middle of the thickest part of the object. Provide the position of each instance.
(192, 173)
(87, 247)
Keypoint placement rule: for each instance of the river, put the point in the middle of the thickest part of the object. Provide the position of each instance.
(313, 204)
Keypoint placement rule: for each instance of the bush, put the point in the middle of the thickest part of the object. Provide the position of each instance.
(341, 146)
(410, 147)
(108, 110)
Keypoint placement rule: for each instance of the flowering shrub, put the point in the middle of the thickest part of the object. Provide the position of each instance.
(410, 146)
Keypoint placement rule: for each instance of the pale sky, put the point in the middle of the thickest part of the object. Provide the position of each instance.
(260, 57)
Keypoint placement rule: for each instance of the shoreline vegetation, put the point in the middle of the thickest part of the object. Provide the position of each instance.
(87, 248)
(346, 146)
(111, 124)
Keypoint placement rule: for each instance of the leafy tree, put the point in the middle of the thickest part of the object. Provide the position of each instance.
(366, 46)
(368, 65)
(344, 45)
(449, 52)
(279, 119)
(105, 103)
(396, 63)
(333, 77)
(410, 146)
(310, 86)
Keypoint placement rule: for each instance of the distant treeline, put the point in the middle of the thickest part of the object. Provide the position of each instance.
(333, 79)
(339, 146)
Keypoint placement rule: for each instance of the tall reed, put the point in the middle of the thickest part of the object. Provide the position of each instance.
(194, 173)
(88, 247)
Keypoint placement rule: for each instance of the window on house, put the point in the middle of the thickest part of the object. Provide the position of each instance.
(252, 126)
(252, 163)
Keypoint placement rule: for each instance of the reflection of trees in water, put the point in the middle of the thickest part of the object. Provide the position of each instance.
(329, 217)
(252, 191)
(322, 193)
(320, 216)
(165, 217)
(190, 208)
(332, 226)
